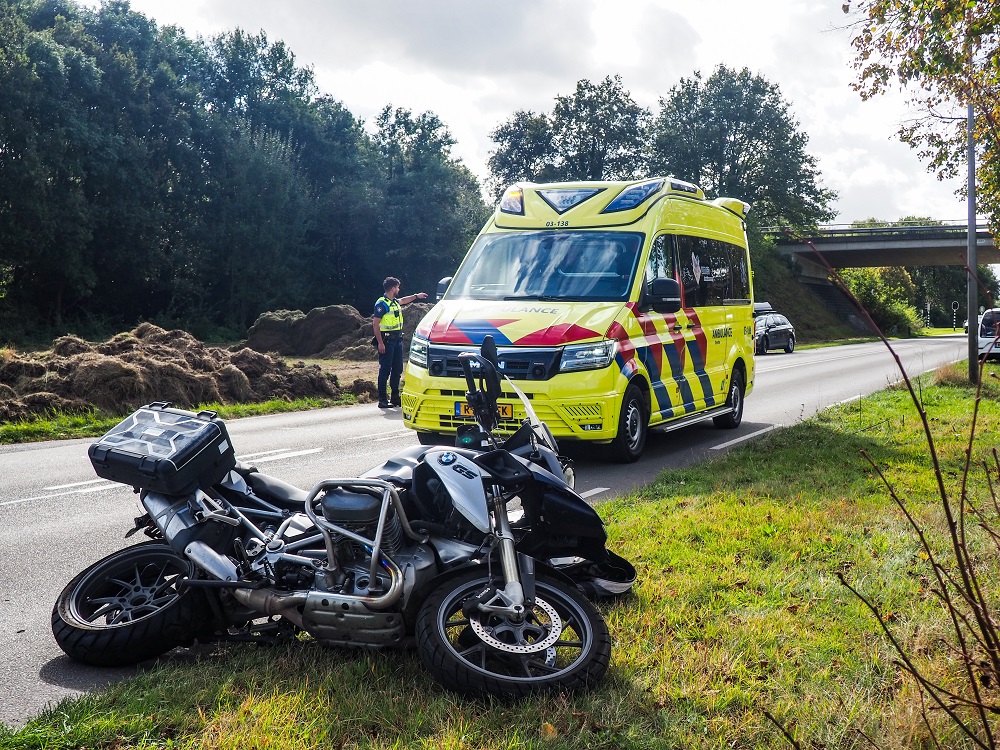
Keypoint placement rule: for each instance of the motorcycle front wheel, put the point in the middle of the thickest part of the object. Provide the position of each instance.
(129, 607)
(561, 645)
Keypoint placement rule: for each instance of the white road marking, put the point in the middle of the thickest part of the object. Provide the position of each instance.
(595, 491)
(745, 437)
(103, 484)
(385, 435)
(290, 454)
(74, 484)
(849, 400)
(261, 453)
(393, 436)
(106, 486)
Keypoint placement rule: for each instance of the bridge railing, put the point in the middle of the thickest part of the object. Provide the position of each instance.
(833, 232)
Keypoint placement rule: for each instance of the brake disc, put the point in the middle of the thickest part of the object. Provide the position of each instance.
(514, 637)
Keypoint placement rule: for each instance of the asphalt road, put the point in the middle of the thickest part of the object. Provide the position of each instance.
(56, 517)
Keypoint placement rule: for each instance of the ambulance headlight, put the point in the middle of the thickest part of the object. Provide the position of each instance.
(418, 351)
(588, 356)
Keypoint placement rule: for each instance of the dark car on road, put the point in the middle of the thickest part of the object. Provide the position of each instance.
(773, 331)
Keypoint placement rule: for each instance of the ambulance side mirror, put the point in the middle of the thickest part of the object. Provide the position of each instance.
(443, 286)
(665, 295)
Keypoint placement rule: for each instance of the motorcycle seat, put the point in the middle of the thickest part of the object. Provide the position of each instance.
(276, 491)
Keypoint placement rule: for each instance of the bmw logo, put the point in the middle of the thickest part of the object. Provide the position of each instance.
(447, 458)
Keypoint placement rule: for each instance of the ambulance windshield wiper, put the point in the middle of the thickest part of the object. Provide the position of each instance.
(539, 297)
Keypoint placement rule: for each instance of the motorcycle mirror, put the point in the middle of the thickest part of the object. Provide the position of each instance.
(491, 374)
(489, 350)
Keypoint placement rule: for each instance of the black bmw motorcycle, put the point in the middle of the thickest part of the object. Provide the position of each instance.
(483, 557)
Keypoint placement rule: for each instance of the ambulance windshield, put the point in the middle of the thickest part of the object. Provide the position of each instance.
(565, 266)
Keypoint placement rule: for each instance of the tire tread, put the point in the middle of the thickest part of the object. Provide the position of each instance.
(173, 626)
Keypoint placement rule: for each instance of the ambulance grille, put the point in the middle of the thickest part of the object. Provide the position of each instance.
(454, 422)
(461, 394)
(516, 364)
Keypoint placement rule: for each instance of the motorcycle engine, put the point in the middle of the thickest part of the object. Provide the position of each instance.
(359, 512)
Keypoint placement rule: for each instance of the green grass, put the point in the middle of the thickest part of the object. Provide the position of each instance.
(737, 611)
(939, 331)
(60, 426)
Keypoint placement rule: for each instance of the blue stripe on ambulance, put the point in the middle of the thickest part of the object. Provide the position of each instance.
(699, 367)
(477, 330)
(673, 358)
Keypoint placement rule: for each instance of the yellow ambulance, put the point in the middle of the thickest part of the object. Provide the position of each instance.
(615, 306)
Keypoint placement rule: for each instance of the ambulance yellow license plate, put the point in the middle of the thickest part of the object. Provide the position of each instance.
(462, 410)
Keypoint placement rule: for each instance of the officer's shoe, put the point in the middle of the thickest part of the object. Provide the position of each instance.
(396, 402)
(383, 403)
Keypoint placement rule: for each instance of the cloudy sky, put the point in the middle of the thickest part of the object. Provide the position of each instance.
(475, 63)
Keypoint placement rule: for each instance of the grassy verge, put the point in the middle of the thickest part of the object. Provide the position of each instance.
(737, 611)
(60, 426)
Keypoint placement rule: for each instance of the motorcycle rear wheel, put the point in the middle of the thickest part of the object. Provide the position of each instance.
(128, 607)
(463, 662)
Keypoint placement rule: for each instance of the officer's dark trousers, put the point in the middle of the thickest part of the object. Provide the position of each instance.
(390, 366)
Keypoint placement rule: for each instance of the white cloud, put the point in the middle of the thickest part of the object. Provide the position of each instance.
(475, 63)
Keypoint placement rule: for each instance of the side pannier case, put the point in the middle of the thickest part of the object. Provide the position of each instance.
(162, 449)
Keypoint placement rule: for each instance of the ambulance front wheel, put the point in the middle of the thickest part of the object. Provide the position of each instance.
(734, 401)
(633, 425)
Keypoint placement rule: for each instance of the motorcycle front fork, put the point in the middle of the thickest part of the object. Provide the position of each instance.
(518, 570)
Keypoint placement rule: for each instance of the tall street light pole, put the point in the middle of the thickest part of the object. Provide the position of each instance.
(973, 302)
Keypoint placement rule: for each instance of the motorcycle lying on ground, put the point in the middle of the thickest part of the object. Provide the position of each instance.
(482, 557)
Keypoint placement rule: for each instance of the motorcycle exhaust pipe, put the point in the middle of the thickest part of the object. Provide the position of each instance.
(271, 602)
(175, 519)
(206, 558)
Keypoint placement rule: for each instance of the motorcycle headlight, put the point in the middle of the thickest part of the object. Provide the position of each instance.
(418, 351)
(588, 356)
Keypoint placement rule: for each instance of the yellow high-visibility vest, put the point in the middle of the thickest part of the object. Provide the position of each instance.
(392, 320)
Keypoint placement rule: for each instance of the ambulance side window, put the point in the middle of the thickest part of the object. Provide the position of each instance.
(717, 273)
(661, 261)
(692, 255)
(741, 273)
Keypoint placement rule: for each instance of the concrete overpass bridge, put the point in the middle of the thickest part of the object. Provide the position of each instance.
(859, 247)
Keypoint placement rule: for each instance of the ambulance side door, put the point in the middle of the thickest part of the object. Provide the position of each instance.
(663, 349)
(704, 321)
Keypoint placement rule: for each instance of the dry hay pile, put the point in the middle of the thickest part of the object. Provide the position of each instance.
(144, 365)
(334, 332)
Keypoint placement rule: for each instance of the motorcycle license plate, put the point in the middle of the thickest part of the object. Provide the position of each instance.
(462, 410)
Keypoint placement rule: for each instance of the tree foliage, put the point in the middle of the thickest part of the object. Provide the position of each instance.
(887, 294)
(734, 134)
(946, 54)
(596, 133)
(145, 175)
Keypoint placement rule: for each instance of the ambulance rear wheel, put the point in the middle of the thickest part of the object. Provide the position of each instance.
(633, 426)
(735, 402)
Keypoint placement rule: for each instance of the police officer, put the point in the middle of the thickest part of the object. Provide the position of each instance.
(387, 322)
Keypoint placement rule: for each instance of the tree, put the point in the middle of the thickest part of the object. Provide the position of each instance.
(595, 133)
(598, 132)
(430, 206)
(525, 152)
(887, 294)
(733, 134)
(144, 175)
(48, 88)
(946, 53)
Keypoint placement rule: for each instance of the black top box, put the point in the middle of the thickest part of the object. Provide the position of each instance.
(163, 449)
